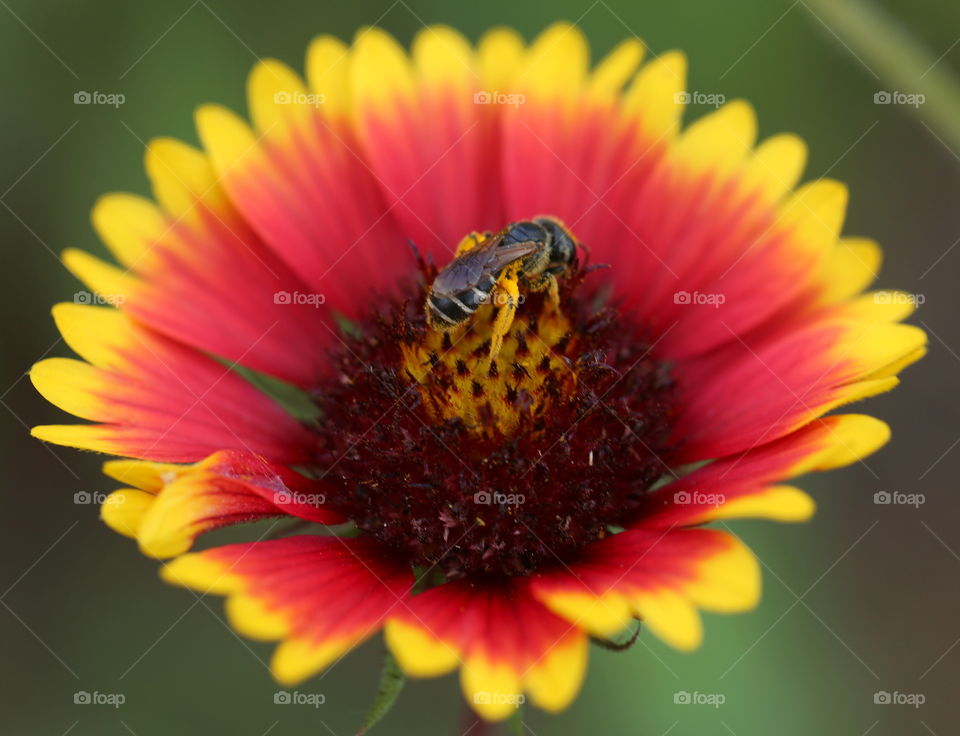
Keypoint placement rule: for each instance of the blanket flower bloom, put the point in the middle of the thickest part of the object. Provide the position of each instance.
(260, 350)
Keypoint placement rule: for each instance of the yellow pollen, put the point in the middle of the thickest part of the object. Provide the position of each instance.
(457, 380)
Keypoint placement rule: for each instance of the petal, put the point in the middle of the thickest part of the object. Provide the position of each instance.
(556, 63)
(156, 399)
(571, 148)
(718, 142)
(851, 267)
(652, 97)
(123, 510)
(728, 259)
(327, 68)
(322, 596)
(755, 391)
(184, 501)
(302, 183)
(747, 485)
(616, 69)
(128, 225)
(199, 274)
(424, 128)
(660, 576)
(507, 643)
(183, 180)
(775, 167)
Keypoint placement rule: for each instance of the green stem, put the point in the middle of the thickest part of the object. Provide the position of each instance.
(892, 54)
(516, 722)
(391, 682)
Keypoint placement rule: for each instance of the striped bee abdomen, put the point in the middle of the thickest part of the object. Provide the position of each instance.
(456, 308)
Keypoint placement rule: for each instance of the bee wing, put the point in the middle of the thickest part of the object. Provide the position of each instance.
(507, 254)
(486, 259)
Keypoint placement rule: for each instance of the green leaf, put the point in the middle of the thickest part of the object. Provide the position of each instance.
(346, 326)
(294, 400)
(347, 530)
(391, 683)
(426, 577)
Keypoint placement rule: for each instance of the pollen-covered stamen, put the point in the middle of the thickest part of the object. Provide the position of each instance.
(494, 467)
(457, 380)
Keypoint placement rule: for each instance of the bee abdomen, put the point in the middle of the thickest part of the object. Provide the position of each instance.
(456, 308)
(446, 312)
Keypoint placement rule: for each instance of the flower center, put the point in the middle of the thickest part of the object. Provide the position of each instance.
(467, 465)
(457, 380)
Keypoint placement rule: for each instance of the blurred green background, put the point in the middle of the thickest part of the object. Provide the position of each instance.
(863, 599)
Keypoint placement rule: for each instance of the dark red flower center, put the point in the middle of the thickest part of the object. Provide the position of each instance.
(465, 466)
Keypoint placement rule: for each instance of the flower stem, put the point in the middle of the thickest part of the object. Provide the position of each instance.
(895, 57)
(391, 682)
(516, 722)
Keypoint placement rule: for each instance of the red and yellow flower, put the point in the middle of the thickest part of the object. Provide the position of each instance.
(503, 513)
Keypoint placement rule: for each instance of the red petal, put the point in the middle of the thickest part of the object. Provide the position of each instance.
(506, 641)
(183, 502)
(659, 575)
(157, 399)
(322, 595)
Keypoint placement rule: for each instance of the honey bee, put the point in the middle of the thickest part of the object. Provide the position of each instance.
(532, 253)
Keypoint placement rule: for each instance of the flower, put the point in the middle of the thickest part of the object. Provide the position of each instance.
(262, 351)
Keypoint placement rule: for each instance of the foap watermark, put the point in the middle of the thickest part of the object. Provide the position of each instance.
(882, 697)
(683, 697)
(299, 298)
(699, 298)
(698, 498)
(484, 97)
(296, 97)
(82, 697)
(285, 697)
(114, 99)
(95, 297)
(899, 498)
(88, 498)
(484, 697)
(699, 98)
(495, 498)
(894, 97)
(500, 299)
(282, 498)
(898, 297)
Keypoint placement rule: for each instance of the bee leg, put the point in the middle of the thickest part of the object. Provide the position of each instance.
(507, 310)
(547, 282)
(553, 290)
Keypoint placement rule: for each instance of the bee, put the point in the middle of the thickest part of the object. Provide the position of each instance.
(556, 256)
(532, 253)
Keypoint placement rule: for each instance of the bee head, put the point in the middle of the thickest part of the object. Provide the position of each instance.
(562, 244)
